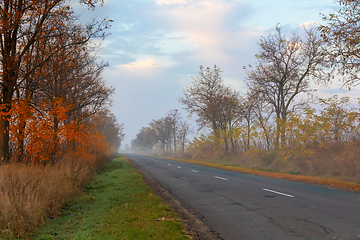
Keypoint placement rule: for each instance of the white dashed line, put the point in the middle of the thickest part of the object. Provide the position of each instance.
(221, 178)
(280, 193)
(194, 171)
(178, 167)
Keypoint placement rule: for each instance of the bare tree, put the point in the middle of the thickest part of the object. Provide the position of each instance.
(247, 108)
(173, 117)
(263, 112)
(284, 68)
(215, 104)
(183, 131)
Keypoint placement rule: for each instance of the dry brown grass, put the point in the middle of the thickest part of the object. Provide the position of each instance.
(30, 194)
(331, 164)
(339, 161)
(325, 181)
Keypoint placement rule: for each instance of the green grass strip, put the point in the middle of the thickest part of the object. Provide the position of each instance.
(117, 205)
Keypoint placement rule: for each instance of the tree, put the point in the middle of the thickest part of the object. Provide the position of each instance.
(342, 37)
(145, 139)
(107, 125)
(182, 133)
(262, 113)
(72, 75)
(284, 68)
(247, 108)
(215, 104)
(25, 24)
(163, 130)
(173, 118)
(337, 119)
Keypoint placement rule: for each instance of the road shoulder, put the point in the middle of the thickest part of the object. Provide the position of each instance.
(194, 226)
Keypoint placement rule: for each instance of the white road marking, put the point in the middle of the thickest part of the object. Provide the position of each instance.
(280, 193)
(221, 178)
(178, 167)
(169, 164)
(194, 171)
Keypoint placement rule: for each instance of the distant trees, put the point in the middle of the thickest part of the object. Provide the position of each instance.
(277, 124)
(167, 133)
(271, 116)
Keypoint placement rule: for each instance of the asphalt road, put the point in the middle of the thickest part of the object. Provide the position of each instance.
(243, 206)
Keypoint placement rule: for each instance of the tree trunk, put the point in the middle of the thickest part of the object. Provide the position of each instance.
(226, 142)
(278, 130)
(283, 129)
(54, 144)
(20, 141)
(4, 134)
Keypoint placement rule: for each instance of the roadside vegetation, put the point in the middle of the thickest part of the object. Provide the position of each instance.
(330, 182)
(56, 129)
(279, 124)
(116, 204)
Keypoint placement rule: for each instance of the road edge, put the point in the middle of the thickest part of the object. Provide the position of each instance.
(195, 227)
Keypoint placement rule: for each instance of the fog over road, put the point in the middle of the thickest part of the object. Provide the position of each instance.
(243, 206)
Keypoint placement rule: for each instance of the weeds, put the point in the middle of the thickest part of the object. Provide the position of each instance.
(29, 194)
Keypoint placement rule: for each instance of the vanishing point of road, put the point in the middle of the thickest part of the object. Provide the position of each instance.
(245, 207)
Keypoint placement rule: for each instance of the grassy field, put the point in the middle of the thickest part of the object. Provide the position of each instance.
(117, 205)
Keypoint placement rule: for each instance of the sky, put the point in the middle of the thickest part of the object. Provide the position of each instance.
(156, 46)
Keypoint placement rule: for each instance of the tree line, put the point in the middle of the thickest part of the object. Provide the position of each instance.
(167, 135)
(279, 119)
(53, 99)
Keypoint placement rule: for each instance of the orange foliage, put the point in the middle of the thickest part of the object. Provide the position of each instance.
(87, 142)
(49, 131)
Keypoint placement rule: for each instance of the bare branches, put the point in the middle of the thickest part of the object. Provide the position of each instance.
(45, 55)
(285, 65)
(342, 37)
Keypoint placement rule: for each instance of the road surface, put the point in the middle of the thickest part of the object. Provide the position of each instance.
(243, 206)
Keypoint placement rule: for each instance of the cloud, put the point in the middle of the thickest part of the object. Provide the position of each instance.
(139, 64)
(308, 24)
(209, 26)
(145, 68)
(170, 2)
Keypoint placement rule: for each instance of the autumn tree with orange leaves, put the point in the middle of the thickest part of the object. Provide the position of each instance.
(30, 33)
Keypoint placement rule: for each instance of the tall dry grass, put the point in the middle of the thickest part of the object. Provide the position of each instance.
(340, 161)
(29, 194)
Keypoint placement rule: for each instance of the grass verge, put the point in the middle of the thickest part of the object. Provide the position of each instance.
(117, 205)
